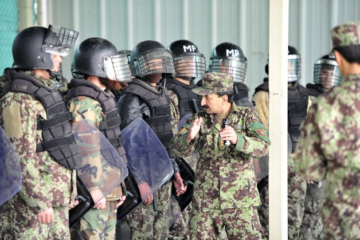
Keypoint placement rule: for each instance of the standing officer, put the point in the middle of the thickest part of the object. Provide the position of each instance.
(329, 142)
(189, 66)
(33, 115)
(146, 97)
(90, 98)
(225, 192)
(326, 76)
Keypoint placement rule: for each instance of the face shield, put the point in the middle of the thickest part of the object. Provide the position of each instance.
(190, 66)
(327, 73)
(237, 68)
(154, 61)
(59, 40)
(117, 68)
(294, 68)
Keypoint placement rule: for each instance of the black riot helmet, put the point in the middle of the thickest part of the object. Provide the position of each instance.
(189, 62)
(327, 72)
(294, 64)
(128, 53)
(229, 58)
(150, 57)
(33, 46)
(99, 57)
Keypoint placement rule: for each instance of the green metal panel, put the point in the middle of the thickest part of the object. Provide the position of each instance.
(8, 31)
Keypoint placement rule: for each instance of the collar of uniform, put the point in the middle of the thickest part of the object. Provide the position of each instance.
(47, 82)
(352, 77)
(234, 110)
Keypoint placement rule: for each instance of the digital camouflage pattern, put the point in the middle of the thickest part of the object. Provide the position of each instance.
(346, 34)
(87, 108)
(46, 184)
(145, 223)
(98, 223)
(218, 183)
(327, 149)
(215, 83)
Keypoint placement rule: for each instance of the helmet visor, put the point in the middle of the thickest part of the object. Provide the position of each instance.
(154, 61)
(59, 40)
(327, 75)
(234, 67)
(117, 68)
(294, 68)
(192, 66)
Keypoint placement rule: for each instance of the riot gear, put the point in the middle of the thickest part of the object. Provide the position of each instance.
(229, 58)
(294, 64)
(326, 72)
(32, 47)
(99, 57)
(150, 57)
(189, 62)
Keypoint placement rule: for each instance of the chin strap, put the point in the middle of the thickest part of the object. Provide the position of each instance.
(54, 75)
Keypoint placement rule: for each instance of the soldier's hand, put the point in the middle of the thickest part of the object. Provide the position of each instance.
(101, 204)
(194, 129)
(75, 204)
(46, 216)
(120, 201)
(179, 184)
(229, 134)
(145, 191)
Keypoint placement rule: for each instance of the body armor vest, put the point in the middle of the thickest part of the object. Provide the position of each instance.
(58, 138)
(314, 89)
(159, 105)
(298, 97)
(189, 102)
(110, 125)
(241, 96)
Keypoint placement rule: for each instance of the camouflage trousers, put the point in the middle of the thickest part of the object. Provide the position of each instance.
(145, 223)
(180, 228)
(98, 223)
(236, 223)
(341, 221)
(21, 224)
(312, 226)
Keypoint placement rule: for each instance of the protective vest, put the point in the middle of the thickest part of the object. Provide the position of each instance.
(314, 89)
(297, 108)
(241, 96)
(58, 138)
(159, 105)
(110, 125)
(189, 102)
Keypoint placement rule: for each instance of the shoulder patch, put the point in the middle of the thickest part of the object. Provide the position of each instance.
(260, 132)
(184, 129)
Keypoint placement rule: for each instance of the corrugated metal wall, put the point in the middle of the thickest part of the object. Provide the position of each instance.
(207, 23)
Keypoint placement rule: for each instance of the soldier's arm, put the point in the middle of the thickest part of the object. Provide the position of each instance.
(175, 113)
(129, 109)
(308, 156)
(20, 125)
(255, 141)
(261, 99)
(179, 143)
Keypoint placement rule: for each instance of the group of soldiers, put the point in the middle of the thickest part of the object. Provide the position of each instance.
(202, 118)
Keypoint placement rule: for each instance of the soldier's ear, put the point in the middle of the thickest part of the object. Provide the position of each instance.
(225, 98)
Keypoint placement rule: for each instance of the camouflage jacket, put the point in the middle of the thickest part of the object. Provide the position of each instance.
(87, 108)
(225, 178)
(327, 147)
(45, 183)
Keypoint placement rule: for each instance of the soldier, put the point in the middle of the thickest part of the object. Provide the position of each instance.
(229, 58)
(328, 145)
(90, 98)
(225, 166)
(189, 66)
(326, 76)
(298, 103)
(34, 117)
(147, 98)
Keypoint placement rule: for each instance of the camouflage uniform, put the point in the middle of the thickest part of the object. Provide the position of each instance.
(327, 148)
(225, 193)
(296, 184)
(96, 223)
(46, 184)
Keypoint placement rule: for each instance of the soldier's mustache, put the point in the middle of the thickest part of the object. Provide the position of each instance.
(205, 106)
